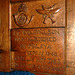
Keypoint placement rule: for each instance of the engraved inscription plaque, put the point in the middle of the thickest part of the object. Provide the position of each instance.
(38, 50)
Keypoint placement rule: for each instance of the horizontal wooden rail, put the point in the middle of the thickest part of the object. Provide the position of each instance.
(12, 1)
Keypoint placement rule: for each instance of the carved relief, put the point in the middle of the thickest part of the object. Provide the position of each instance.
(21, 19)
(48, 12)
(41, 49)
(22, 8)
(1, 51)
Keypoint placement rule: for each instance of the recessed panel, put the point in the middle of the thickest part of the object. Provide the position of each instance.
(38, 13)
(42, 50)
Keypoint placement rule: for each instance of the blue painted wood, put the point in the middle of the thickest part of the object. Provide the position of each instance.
(16, 73)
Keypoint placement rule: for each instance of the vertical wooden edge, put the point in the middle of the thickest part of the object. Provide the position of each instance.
(10, 33)
(65, 35)
(4, 37)
(70, 56)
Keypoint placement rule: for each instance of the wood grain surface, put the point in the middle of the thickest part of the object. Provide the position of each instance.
(70, 37)
(4, 36)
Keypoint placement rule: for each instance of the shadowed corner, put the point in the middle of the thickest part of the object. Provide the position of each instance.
(17, 1)
(2, 51)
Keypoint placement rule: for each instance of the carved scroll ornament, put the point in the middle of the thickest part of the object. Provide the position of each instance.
(21, 19)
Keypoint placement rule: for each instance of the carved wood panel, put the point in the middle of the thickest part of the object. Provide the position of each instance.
(38, 36)
(40, 50)
(45, 13)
